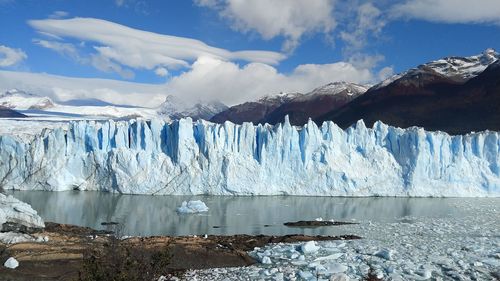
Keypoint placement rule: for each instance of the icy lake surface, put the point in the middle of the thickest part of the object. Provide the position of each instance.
(156, 215)
(403, 238)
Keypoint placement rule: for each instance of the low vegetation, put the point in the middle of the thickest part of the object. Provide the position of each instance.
(118, 260)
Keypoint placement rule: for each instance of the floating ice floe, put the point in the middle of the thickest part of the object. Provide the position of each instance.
(11, 263)
(385, 254)
(191, 207)
(465, 247)
(309, 247)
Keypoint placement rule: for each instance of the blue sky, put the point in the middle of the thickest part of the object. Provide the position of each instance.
(294, 45)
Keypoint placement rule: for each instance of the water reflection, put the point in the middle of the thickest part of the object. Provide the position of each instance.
(155, 215)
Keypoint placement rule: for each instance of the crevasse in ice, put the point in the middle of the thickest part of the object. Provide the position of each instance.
(182, 157)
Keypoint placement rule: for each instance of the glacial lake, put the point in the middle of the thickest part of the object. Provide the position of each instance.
(146, 215)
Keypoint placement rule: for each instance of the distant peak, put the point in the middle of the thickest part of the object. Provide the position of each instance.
(460, 68)
(19, 99)
(490, 51)
(175, 107)
(15, 91)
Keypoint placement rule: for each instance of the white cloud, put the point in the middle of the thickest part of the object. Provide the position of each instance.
(161, 71)
(368, 22)
(450, 11)
(100, 62)
(58, 15)
(385, 73)
(105, 64)
(208, 78)
(119, 47)
(233, 84)
(67, 88)
(291, 19)
(65, 49)
(10, 56)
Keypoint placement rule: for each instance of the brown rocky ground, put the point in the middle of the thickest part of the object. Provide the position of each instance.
(72, 250)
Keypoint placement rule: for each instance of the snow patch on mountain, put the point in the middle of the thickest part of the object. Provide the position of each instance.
(457, 68)
(335, 88)
(20, 100)
(464, 67)
(38, 107)
(278, 99)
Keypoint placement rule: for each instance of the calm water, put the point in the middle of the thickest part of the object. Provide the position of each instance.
(156, 215)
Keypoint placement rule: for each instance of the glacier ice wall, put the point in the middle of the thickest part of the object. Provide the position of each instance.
(154, 157)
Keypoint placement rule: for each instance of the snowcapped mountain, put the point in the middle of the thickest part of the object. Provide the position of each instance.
(454, 94)
(316, 103)
(176, 108)
(20, 100)
(459, 69)
(464, 68)
(39, 107)
(299, 107)
(254, 111)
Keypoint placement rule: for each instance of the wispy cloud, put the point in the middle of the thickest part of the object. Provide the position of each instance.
(59, 15)
(139, 6)
(450, 11)
(63, 88)
(161, 71)
(10, 56)
(208, 78)
(119, 45)
(120, 3)
(66, 49)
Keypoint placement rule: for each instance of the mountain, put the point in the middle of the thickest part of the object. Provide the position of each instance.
(254, 111)
(298, 107)
(458, 69)
(176, 108)
(455, 94)
(17, 99)
(43, 107)
(9, 113)
(316, 103)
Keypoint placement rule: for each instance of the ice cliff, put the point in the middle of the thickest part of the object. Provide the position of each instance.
(154, 157)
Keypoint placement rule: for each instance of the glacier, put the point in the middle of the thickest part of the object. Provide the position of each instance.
(185, 157)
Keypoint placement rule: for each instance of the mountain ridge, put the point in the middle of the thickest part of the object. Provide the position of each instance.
(299, 107)
(432, 101)
(175, 108)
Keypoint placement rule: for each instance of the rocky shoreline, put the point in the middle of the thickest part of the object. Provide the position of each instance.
(64, 255)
